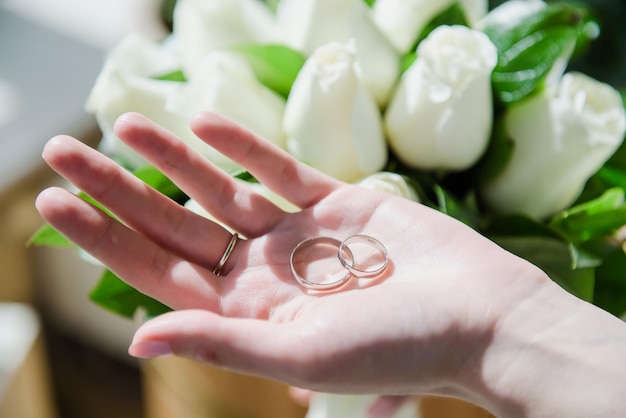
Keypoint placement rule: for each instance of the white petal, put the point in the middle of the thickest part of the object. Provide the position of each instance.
(331, 120)
(441, 114)
(202, 26)
(561, 138)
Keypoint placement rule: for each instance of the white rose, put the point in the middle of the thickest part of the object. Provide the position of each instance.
(331, 121)
(201, 26)
(441, 114)
(561, 137)
(389, 182)
(126, 83)
(402, 21)
(306, 25)
(224, 83)
(325, 405)
(135, 54)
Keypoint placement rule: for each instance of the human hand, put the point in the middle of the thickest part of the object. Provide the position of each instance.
(425, 325)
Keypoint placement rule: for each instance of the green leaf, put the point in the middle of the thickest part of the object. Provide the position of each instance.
(407, 61)
(276, 66)
(97, 204)
(272, 4)
(498, 153)
(618, 159)
(178, 76)
(553, 15)
(605, 179)
(118, 297)
(524, 227)
(611, 199)
(610, 288)
(160, 182)
(527, 67)
(598, 217)
(612, 174)
(518, 225)
(528, 51)
(554, 257)
(583, 258)
(613, 177)
(46, 235)
(587, 226)
(465, 212)
(244, 175)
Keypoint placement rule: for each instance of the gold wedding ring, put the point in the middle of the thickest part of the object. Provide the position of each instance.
(229, 249)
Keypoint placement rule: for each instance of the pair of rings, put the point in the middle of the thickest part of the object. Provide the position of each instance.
(360, 256)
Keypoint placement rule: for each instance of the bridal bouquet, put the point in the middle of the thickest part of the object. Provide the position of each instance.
(470, 110)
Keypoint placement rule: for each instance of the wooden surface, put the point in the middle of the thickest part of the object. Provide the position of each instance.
(180, 388)
(175, 387)
(27, 389)
(18, 221)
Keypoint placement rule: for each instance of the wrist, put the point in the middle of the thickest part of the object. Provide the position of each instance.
(550, 354)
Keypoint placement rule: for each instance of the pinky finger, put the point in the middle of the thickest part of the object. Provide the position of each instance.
(131, 256)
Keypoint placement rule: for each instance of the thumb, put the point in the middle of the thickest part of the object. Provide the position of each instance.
(250, 346)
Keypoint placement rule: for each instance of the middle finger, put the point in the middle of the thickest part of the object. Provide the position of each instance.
(219, 193)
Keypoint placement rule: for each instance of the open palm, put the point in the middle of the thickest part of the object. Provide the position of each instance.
(255, 317)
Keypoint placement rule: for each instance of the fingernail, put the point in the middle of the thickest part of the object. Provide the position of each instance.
(149, 349)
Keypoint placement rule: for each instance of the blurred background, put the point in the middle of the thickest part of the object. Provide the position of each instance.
(60, 355)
